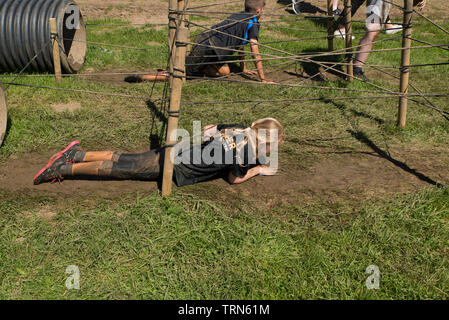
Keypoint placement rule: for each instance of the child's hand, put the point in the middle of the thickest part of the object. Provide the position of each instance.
(250, 72)
(268, 171)
(209, 131)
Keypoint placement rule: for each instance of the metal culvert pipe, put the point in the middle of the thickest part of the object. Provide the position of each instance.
(3, 114)
(25, 31)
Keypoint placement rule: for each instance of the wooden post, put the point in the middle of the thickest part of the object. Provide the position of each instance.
(172, 7)
(185, 24)
(189, 46)
(405, 61)
(56, 54)
(330, 26)
(177, 76)
(348, 39)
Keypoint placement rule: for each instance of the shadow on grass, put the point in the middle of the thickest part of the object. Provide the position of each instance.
(308, 8)
(356, 113)
(304, 7)
(316, 65)
(363, 138)
(156, 138)
(8, 128)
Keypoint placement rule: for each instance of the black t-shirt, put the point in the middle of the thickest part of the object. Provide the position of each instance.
(233, 33)
(235, 154)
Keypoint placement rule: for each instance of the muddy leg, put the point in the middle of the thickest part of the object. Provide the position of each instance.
(145, 166)
(92, 156)
(217, 71)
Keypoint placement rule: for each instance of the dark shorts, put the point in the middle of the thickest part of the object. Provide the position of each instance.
(201, 56)
(142, 166)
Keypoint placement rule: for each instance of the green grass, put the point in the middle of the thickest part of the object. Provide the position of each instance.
(198, 247)
(186, 248)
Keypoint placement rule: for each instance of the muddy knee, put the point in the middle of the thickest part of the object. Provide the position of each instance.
(224, 70)
(105, 169)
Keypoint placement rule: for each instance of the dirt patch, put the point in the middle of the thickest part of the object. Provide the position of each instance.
(70, 106)
(17, 176)
(153, 43)
(156, 11)
(351, 178)
(45, 213)
(134, 11)
(354, 178)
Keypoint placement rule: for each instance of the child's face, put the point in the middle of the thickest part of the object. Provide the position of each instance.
(259, 12)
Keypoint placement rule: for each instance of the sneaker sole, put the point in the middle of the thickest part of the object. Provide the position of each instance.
(293, 7)
(55, 157)
(393, 31)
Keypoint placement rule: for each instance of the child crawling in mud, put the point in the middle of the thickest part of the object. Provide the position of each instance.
(214, 48)
(232, 152)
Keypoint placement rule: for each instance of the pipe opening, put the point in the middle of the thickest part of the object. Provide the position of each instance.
(74, 44)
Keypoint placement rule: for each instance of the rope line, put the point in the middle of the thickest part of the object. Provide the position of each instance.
(432, 22)
(80, 91)
(29, 63)
(396, 95)
(382, 93)
(116, 45)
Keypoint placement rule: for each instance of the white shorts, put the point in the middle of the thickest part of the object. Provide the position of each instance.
(377, 12)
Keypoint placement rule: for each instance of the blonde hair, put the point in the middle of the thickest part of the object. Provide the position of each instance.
(269, 124)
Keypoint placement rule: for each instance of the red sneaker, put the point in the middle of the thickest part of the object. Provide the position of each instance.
(51, 172)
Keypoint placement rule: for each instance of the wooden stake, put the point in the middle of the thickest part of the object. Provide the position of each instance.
(56, 54)
(174, 108)
(172, 7)
(330, 26)
(405, 61)
(186, 18)
(348, 39)
(189, 46)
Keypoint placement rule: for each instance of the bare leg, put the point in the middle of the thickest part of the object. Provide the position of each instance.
(92, 156)
(163, 76)
(366, 44)
(143, 166)
(160, 76)
(86, 169)
(217, 71)
(392, 28)
(335, 5)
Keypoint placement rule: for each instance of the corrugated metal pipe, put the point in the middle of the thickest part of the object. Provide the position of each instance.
(25, 33)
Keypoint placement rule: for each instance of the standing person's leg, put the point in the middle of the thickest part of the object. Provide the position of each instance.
(340, 32)
(376, 14)
(296, 6)
(392, 28)
(336, 12)
(334, 4)
(364, 48)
